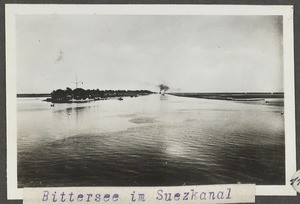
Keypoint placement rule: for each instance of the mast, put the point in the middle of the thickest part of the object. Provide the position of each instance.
(77, 82)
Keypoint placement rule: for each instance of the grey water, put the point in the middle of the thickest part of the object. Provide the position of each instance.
(151, 140)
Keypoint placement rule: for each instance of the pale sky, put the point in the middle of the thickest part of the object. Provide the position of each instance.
(187, 53)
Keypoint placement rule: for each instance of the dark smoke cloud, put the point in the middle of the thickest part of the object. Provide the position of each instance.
(163, 88)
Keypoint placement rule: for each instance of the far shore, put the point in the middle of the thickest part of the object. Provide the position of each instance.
(268, 98)
(33, 95)
(80, 95)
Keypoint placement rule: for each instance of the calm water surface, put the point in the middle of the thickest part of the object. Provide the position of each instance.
(149, 140)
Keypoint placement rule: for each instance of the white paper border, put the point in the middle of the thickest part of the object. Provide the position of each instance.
(288, 56)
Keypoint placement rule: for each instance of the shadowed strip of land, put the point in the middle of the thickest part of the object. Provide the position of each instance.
(234, 96)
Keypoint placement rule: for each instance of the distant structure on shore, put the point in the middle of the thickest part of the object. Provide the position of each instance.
(77, 82)
(163, 89)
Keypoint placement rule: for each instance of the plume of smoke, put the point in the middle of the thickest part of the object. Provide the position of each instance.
(163, 88)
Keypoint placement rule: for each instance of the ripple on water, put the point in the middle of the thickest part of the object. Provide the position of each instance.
(142, 120)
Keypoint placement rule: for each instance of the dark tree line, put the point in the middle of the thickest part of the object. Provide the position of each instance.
(80, 93)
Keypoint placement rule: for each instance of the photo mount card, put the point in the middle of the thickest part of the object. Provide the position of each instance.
(150, 95)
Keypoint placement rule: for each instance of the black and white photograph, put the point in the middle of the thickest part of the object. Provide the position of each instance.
(151, 99)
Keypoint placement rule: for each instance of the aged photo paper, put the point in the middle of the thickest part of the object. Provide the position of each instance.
(144, 96)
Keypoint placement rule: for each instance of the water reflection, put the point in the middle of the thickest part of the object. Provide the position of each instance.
(152, 140)
(163, 97)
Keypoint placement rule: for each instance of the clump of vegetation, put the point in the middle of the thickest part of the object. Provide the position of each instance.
(80, 94)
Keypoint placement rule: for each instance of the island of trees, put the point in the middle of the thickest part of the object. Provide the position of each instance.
(81, 95)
